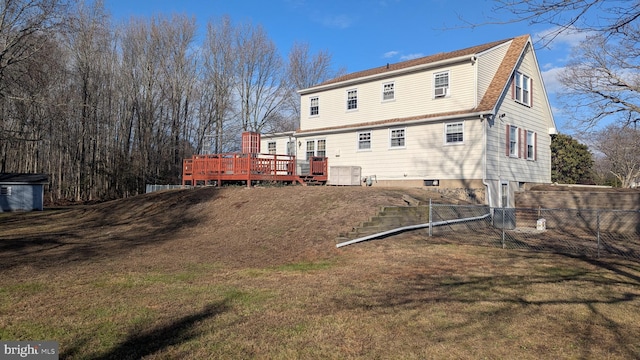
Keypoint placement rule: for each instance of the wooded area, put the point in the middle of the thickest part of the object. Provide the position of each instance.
(106, 108)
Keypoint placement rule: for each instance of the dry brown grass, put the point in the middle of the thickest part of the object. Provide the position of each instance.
(254, 273)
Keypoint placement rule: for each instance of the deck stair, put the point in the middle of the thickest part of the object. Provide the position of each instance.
(310, 180)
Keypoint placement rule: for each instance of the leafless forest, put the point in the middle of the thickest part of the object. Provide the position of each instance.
(104, 108)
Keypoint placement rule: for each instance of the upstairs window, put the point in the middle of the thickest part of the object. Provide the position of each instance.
(441, 84)
(397, 138)
(352, 99)
(314, 109)
(522, 89)
(454, 133)
(271, 145)
(388, 92)
(364, 140)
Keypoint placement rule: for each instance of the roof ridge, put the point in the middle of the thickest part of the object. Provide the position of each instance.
(418, 61)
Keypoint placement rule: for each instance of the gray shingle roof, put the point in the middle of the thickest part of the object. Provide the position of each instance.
(488, 102)
(23, 178)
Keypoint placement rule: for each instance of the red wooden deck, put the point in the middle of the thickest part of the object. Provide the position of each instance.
(250, 168)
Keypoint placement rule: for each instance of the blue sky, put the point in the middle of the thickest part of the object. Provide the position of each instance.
(362, 34)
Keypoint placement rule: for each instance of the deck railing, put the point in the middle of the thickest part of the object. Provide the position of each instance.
(246, 167)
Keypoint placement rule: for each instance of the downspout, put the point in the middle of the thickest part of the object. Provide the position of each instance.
(484, 160)
(484, 121)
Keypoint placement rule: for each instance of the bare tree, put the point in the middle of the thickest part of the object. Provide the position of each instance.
(142, 57)
(260, 81)
(602, 77)
(305, 70)
(604, 17)
(603, 80)
(179, 74)
(89, 41)
(24, 26)
(620, 146)
(26, 29)
(218, 83)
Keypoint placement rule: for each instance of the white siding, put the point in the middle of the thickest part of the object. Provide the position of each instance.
(413, 96)
(488, 64)
(280, 140)
(536, 118)
(425, 155)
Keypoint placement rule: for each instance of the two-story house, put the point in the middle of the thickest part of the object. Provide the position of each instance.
(475, 120)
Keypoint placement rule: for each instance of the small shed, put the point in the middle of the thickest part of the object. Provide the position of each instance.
(22, 192)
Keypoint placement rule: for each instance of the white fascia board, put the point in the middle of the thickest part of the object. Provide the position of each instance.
(386, 74)
(479, 115)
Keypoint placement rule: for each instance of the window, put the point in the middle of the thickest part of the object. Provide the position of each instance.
(352, 99)
(441, 84)
(5, 190)
(522, 89)
(454, 133)
(531, 145)
(311, 149)
(364, 140)
(504, 195)
(314, 108)
(271, 145)
(316, 148)
(322, 148)
(388, 91)
(512, 141)
(397, 138)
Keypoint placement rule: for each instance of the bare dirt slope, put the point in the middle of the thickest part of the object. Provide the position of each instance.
(236, 226)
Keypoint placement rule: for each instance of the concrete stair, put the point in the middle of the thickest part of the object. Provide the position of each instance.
(388, 218)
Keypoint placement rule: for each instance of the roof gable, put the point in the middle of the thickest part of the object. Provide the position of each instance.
(503, 75)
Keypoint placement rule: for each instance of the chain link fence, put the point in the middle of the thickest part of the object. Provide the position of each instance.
(592, 233)
(153, 187)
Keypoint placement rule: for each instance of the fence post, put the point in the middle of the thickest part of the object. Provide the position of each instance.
(598, 229)
(503, 234)
(430, 219)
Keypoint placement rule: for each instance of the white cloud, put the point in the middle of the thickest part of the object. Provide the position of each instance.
(411, 56)
(390, 54)
(341, 21)
(551, 79)
(571, 37)
(400, 56)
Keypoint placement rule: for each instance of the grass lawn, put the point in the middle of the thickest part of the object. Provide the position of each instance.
(254, 273)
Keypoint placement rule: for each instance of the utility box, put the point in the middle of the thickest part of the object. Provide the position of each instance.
(345, 175)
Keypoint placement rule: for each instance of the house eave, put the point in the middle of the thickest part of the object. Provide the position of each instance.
(388, 74)
(394, 123)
